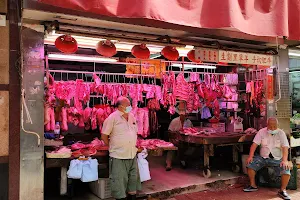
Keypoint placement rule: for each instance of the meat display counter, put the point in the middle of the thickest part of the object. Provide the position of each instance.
(64, 163)
(209, 142)
(102, 157)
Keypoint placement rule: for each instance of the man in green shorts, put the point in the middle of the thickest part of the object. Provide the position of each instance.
(120, 133)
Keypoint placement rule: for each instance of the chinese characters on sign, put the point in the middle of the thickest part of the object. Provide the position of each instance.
(214, 55)
(149, 67)
(207, 55)
(245, 58)
(270, 87)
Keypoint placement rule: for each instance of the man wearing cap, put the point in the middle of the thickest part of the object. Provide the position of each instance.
(274, 148)
(120, 133)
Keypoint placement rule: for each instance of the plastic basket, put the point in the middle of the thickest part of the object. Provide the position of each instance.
(101, 188)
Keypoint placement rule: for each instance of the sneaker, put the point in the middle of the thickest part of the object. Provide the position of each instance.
(284, 195)
(250, 189)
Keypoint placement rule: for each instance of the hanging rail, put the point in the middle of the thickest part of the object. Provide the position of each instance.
(186, 72)
(90, 59)
(194, 63)
(103, 73)
(75, 57)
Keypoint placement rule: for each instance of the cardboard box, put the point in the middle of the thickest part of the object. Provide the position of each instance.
(4, 125)
(101, 188)
(4, 66)
(3, 6)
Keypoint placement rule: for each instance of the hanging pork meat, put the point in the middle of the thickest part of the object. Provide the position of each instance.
(106, 48)
(170, 53)
(66, 44)
(216, 108)
(182, 88)
(64, 119)
(50, 126)
(207, 90)
(87, 117)
(140, 51)
(191, 56)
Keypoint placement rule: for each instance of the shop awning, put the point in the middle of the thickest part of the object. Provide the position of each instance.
(255, 17)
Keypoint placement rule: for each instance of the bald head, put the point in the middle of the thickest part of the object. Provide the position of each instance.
(122, 103)
(272, 123)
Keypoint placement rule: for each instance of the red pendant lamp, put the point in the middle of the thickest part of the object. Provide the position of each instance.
(106, 48)
(140, 51)
(66, 44)
(170, 53)
(191, 56)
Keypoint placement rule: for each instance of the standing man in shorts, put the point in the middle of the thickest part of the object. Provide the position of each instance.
(120, 133)
(274, 148)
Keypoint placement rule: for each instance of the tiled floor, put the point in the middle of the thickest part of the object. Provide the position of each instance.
(179, 178)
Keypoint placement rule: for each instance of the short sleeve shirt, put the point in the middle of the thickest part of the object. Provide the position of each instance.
(122, 135)
(176, 125)
(271, 143)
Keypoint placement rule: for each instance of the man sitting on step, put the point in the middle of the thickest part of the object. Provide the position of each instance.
(274, 148)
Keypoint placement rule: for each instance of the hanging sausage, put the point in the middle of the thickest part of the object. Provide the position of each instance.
(191, 56)
(106, 48)
(170, 53)
(66, 44)
(140, 51)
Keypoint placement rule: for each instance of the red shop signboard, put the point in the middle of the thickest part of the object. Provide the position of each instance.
(270, 87)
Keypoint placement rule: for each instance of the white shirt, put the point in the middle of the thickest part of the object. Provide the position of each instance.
(176, 125)
(271, 143)
(122, 135)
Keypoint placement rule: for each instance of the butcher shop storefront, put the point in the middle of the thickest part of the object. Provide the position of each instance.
(223, 93)
(198, 102)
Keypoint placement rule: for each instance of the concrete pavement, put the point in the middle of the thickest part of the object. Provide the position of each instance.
(235, 193)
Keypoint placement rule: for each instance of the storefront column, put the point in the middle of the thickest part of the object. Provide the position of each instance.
(31, 152)
(14, 18)
(284, 107)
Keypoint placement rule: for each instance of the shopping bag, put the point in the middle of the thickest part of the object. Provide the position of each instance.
(143, 166)
(89, 170)
(75, 169)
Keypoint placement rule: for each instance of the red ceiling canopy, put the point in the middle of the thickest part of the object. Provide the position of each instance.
(256, 17)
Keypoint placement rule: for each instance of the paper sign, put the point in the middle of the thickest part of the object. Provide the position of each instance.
(148, 67)
(245, 58)
(206, 55)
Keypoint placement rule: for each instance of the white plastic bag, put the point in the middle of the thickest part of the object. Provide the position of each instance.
(143, 166)
(89, 170)
(75, 169)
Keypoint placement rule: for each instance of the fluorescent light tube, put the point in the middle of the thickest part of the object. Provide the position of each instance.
(294, 54)
(90, 43)
(190, 47)
(190, 66)
(79, 58)
(153, 56)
